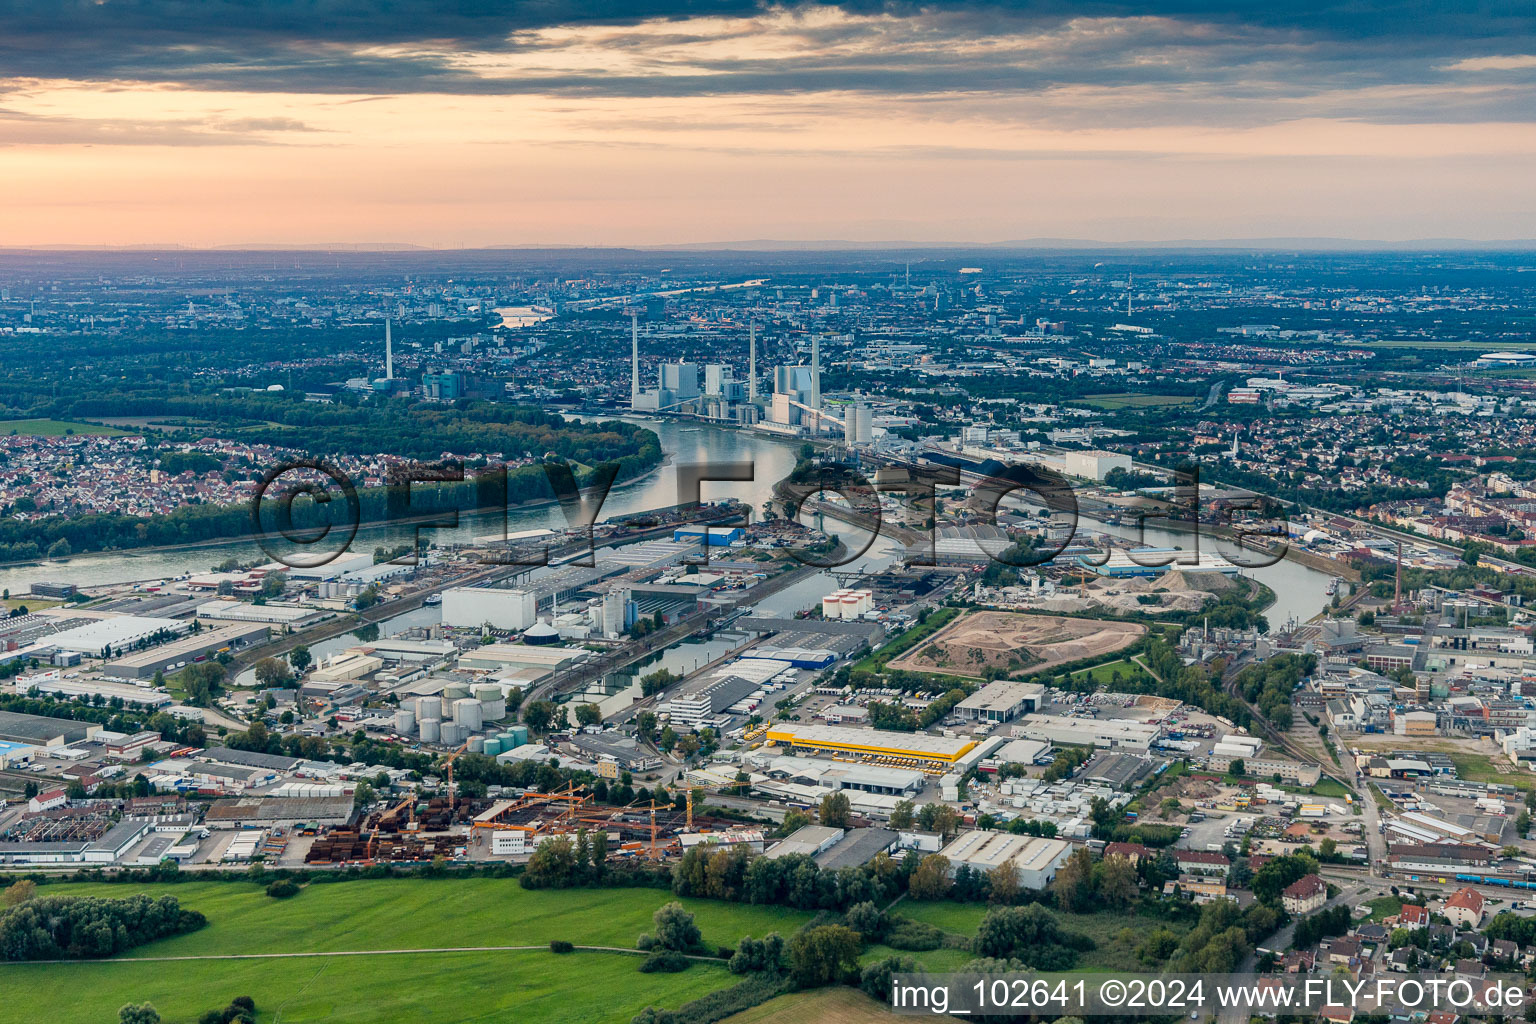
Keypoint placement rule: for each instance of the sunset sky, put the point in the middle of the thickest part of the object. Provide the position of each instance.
(223, 122)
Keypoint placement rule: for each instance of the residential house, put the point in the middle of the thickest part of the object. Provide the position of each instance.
(1465, 908)
(1304, 895)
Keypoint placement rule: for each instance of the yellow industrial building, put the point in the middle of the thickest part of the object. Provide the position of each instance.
(904, 749)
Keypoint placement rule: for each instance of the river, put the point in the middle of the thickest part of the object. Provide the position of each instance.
(1300, 590)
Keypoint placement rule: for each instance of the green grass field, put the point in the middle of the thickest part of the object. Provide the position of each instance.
(1466, 346)
(823, 1006)
(1383, 907)
(428, 913)
(384, 988)
(56, 428)
(1480, 768)
(1103, 674)
(441, 988)
(1108, 930)
(1134, 400)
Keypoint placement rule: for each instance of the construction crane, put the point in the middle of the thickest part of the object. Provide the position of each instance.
(690, 808)
(453, 796)
(652, 810)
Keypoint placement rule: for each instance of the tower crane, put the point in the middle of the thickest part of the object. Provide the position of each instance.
(453, 793)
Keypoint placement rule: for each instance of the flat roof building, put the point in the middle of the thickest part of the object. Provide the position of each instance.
(1035, 858)
(699, 707)
(914, 748)
(1112, 733)
(42, 731)
(1002, 701)
(194, 647)
(239, 611)
(117, 633)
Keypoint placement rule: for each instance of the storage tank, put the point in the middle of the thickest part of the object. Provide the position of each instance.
(455, 691)
(492, 747)
(429, 707)
(454, 734)
(469, 713)
(405, 721)
(476, 745)
(519, 735)
(431, 730)
(495, 703)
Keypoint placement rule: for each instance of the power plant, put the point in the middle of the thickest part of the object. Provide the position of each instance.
(711, 391)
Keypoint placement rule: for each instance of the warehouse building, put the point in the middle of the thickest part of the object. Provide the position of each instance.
(41, 731)
(907, 749)
(54, 683)
(1111, 733)
(114, 634)
(841, 775)
(693, 710)
(194, 647)
(1002, 701)
(266, 812)
(473, 607)
(1036, 859)
(1095, 465)
(239, 611)
(495, 657)
(1117, 771)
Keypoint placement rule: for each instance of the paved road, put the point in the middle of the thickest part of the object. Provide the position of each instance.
(1280, 940)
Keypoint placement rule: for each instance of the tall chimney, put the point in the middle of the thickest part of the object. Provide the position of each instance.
(816, 371)
(634, 355)
(389, 353)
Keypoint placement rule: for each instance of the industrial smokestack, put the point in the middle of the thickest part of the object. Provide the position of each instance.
(634, 355)
(752, 361)
(816, 371)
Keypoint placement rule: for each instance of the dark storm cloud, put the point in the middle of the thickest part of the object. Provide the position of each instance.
(1287, 57)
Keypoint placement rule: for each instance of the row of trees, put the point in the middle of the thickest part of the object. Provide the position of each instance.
(1269, 685)
(78, 927)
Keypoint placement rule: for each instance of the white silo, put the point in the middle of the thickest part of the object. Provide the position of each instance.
(431, 730)
(469, 713)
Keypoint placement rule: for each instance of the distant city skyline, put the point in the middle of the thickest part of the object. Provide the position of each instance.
(718, 122)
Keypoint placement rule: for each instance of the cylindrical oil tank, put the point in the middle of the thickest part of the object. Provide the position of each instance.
(469, 713)
(493, 710)
(492, 747)
(486, 692)
(453, 734)
(429, 707)
(476, 745)
(405, 721)
(519, 734)
(455, 691)
(431, 730)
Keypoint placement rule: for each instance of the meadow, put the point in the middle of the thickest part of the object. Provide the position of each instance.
(1136, 400)
(427, 913)
(56, 428)
(331, 921)
(415, 988)
(345, 971)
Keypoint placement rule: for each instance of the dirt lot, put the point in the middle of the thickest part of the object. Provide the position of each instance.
(1019, 642)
